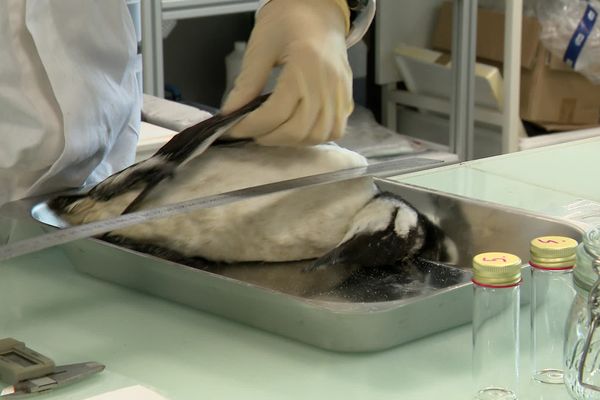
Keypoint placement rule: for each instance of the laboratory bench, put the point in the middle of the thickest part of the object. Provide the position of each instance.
(184, 354)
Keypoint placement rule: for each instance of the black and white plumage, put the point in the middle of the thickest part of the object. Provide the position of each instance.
(348, 223)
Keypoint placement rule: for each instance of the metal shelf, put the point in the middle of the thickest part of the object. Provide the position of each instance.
(461, 110)
(154, 12)
(181, 9)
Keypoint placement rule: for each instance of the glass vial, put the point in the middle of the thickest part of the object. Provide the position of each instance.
(552, 292)
(496, 285)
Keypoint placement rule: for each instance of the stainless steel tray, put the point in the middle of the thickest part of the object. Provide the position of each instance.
(366, 313)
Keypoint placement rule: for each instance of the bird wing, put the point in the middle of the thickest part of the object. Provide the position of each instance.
(146, 175)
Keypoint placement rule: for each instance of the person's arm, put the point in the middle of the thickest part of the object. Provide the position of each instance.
(313, 96)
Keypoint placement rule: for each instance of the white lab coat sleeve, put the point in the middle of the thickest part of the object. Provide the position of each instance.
(70, 97)
(359, 27)
(89, 53)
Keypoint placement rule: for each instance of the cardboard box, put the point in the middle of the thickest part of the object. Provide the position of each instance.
(552, 94)
(429, 72)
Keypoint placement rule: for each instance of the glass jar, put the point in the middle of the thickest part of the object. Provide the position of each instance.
(582, 344)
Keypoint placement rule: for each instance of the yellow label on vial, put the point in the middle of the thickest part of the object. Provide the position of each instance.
(553, 246)
(496, 268)
(553, 252)
(493, 259)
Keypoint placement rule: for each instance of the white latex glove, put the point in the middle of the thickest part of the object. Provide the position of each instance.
(312, 99)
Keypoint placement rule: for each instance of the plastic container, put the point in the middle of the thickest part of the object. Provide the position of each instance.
(496, 288)
(570, 31)
(552, 261)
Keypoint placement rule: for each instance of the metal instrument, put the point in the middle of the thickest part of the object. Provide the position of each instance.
(62, 375)
(380, 169)
(30, 372)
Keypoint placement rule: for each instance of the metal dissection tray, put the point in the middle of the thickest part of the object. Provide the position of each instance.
(369, 312)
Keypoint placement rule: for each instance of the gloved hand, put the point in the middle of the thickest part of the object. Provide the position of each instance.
(312, 99)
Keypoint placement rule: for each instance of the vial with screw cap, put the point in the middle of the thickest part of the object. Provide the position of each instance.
(552, 292)
(496, 281)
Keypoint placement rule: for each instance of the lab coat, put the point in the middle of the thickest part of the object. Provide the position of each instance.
(70, 99)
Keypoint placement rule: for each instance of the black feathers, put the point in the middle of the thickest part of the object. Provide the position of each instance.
(145, 175)
(387, 246)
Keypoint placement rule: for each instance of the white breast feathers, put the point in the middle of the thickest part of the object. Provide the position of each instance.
(286, 226)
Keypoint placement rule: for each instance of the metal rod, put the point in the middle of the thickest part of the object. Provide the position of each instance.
(389, 106)
(512, 75)
(380, 169)
(183, 10)
(464, 41)
(152, 47)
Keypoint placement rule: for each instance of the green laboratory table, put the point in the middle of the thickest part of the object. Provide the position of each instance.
(186, 354)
